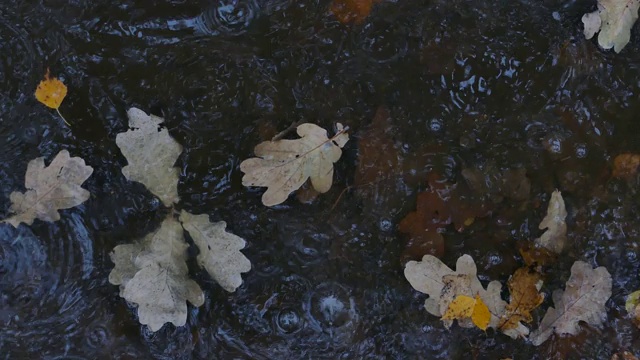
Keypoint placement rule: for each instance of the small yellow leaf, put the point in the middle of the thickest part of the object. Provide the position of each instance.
(51, 91)
(463, 307)
(633, 305)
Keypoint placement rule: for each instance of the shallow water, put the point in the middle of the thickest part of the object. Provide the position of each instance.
(488, 85)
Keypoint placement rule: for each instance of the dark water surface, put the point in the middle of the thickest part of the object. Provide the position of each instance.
(488, 85)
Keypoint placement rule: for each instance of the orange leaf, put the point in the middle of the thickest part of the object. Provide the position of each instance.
(524, 289)
(626, 166)
(463, 307)
(351, 11)
(51, 91)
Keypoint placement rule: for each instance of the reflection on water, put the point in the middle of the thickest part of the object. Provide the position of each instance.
(489, 87)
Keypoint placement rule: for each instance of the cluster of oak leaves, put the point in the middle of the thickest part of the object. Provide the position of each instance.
(152, 272)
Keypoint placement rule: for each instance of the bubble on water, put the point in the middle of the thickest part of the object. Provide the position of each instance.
(97, 336)
(229, 17)
(330, 307)
(288, 321)
(385, 224)
(581, 151)
(436, 125)
(553, 144)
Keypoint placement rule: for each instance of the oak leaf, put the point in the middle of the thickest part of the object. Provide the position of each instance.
(151, 153)
(219, 250)
(467, 307)
(153, 274)
(555, 237)
(524, 296)
(49, 189)
(583, 299)
(282, 166)
(614, 20)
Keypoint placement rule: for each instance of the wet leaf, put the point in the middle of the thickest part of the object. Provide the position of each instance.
(219, 250)
(153, 274)
(151, 153)
(633, 305)
(625, 355)
(537, 256)
(49, 189)
(625, 166)
(555, 238)
(467, 307)
(351, 11)
(430, 276)
(583, 299)
(524, 297)
(614, 20)
(283, 166)
(51, 91)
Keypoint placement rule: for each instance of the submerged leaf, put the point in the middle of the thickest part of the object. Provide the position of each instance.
(49, 189)
(219, 250)
(351, 11)
(51, 91)
(555, 237)
(614, 19)
(151, 154)
(626, 166)
(283, 166)
(583, 299)
(154, 275)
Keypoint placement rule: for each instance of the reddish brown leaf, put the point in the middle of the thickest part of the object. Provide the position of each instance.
(351, 11)
(625, 166)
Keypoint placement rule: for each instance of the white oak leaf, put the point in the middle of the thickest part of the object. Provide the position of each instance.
(583, 299)
(219, 250)
(124, 258)
(161, 285)
(555, 238)
(283, 166)
(614, 19)
(151, 153)
(49, 189)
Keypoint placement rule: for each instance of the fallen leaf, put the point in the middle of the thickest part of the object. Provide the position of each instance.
(625, 166)
(219, 250)
(49, 189)
(467, 307)
(351, 11)
(524, 296)
(625, 355)
(51, 91)
(583, 299)
(555, 237)
(537, 256)
(283, 166)
(378, 170)
(160, 285)
(614, 19)
(633, 305)
(151, 153)
(430, 276)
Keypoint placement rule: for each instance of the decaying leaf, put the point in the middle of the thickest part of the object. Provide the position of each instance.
(633, 306)
(49, 189)
(467, 307)
(219, 250)
(614, 19)
(555, 238)
(351, 11)
(624, 355)
(153, 274)
(625, 166)
(151, 153)
(524, 292)
(583, 299)
(443, 285)
(284, 165)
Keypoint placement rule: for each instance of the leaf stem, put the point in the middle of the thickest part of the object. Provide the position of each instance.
(63, 119)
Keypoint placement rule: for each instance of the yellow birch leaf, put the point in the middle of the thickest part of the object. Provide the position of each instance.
(467, 307)
(51, 91)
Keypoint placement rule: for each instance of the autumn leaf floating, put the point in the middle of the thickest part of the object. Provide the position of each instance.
(51, 92)
(632, 306)
(49, 189)
(460, 295)
(614, 20)
(351, 11)
(555, 236)
(152, 272)
(467, 307)
(282, 166)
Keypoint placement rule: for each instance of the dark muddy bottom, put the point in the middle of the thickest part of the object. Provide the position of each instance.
(489, 85)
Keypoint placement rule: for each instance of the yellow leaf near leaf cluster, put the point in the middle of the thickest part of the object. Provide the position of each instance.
(633, 305)
(51, 91)
(463, 307)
